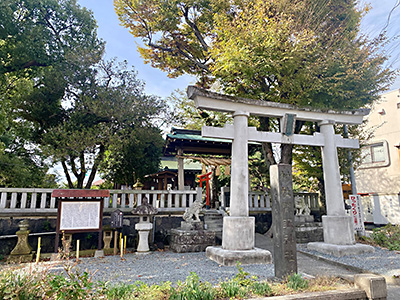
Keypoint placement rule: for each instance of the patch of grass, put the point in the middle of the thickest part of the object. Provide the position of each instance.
(296, 282)
(71, 284)
(261, 289)
(192, 288)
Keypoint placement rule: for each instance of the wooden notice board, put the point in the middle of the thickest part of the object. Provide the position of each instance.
(79, 211)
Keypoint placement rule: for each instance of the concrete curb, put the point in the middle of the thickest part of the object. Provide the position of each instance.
(348, 294)
(389, 279)
(335, 263)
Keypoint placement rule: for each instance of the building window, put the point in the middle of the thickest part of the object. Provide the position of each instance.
(375, 155)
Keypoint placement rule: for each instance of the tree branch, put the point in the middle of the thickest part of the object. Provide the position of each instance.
(196, 30)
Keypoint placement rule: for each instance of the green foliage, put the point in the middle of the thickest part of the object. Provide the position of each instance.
(387, 236)
(132, 155)
(306, 53)
(192, 288)
(261, 289)
(119, 291)
(296, 282)
(233, 289)
(186, 115)
(243, 277)
(239, 286)
(75, 285)
(176, 34)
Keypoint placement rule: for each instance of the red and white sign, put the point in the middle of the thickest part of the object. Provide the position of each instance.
(356, 213)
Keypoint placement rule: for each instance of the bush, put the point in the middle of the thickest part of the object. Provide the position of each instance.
(296, 282)
(387, 236)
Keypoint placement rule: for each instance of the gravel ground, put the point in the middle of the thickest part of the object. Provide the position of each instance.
(381, 261)
(158, 267)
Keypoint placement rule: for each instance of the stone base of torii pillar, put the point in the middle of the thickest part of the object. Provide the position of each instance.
(339, 238)
(238, 244)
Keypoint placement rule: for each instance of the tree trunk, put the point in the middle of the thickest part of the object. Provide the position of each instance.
(267, 147)
(70, 183)
(96, 164)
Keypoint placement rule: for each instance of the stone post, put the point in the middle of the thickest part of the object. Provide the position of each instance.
(284, 232)
(181, 171)
(338, 227)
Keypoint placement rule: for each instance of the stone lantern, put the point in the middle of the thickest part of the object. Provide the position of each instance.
(144, 211)
(22, 251)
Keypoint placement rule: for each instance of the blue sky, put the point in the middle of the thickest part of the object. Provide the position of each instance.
(121, 44)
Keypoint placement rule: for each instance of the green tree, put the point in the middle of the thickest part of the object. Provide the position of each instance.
(176, 34)
(43, 45)
(306, 53)
(97, 116)
(134, 154)
(53, 82)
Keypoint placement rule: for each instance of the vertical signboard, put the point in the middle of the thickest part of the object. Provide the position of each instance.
(356, 213)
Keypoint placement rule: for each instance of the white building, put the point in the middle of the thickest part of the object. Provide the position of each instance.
(378, 176)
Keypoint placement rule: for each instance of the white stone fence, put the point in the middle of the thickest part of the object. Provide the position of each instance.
(261, 201)
(31, 201)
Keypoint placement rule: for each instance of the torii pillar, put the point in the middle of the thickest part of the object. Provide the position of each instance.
(238, 234)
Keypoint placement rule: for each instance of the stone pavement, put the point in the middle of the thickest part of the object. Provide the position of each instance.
(313, 266)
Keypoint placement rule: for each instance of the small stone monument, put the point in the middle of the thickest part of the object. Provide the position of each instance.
(107, 237)
(145, 211)
(306, 229)
(191, 236)
(22, 251)
(66, 242)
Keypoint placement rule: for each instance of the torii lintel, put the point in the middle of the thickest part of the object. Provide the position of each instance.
(213, 101)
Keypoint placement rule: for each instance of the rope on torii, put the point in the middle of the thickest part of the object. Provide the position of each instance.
(211, 161)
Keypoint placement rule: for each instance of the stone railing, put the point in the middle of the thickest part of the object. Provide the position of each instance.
(260, 201)
(21, 201)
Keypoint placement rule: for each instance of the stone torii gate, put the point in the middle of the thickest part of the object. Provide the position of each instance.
(238, 228)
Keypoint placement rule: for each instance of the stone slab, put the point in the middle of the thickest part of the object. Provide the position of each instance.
(245, 257)
(191, 240)
(99, 253)
(283, 225)
(307, 234)
(340, 250)
(195, 225)
(373, 285)
(303, 218)
(347, 294)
